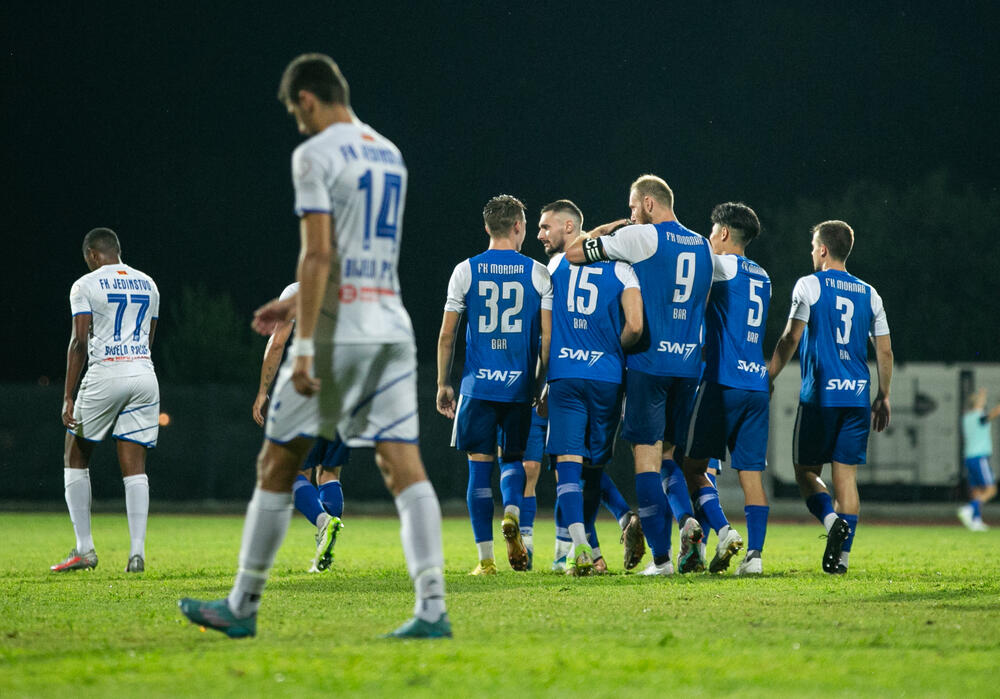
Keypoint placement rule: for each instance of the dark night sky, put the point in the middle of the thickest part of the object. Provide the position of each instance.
(162, 123)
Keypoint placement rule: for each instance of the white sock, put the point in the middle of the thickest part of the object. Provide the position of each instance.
(529, 541)
(597, 552)
(844, 555)
(485, 549)
(513, 510)
(623, 522)
(563, 548)
(829, 520)
(578, 534)
(137, 508)
(268, 515)
(420, 532)
(77, 482)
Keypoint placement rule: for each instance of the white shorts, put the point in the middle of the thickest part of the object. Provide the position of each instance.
(130, 403)
(368, 394)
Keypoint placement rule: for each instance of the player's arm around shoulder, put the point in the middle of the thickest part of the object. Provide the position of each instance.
(589, 247)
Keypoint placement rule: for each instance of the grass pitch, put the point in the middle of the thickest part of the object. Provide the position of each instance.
(918, 614)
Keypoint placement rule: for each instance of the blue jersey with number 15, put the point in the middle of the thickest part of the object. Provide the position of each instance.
(502, 293)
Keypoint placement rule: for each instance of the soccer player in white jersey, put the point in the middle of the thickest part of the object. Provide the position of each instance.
(321, 504)
(834, 314)
(114, 319)
(353, 349)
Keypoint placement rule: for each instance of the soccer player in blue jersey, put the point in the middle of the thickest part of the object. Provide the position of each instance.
(977, 443)
(674, 268)
(833, 315)
(596, 315)
(731, 407)
(508, 299)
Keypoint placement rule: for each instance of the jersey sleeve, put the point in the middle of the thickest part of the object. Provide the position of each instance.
(79, 302)
(631, 243)
(880, 326)
(311, 193)
(543, 284)
(458, 287)
(804, 295)
(724, 267)
(289, 291)
(154, 301)
(626, 275)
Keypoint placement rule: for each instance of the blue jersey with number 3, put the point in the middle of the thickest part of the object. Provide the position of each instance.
(501, 292)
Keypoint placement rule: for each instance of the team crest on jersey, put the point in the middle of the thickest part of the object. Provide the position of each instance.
(122, 272)
(506, 376)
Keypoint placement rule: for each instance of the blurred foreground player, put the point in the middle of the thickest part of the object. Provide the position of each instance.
(833, 315)
(977, 442)
(322, 504)
(350, 188)
(114, 319)
(507, 298)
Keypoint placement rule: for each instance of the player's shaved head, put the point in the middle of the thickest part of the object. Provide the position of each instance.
(739, 218)
(103, 240)
(316, 73)
(655, 187)
(567, 209)
(837, 236)
(501, 213)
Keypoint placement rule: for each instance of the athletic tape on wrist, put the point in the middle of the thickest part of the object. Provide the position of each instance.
(303, 347)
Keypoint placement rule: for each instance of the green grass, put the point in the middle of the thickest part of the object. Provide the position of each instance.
(918, 614)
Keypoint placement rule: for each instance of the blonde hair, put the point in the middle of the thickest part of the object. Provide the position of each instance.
(655, 187)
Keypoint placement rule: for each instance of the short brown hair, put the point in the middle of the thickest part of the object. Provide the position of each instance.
(501, 213)
(316, 73)
(656, 187)
(838, 238)
(568, 208)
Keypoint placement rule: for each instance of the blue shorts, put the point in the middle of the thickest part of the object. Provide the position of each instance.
(729, 417)
(823, 435)
(327, 454)
(535, 448)
(481, 425)
(657, 407)
(583, 418)
(980, 473)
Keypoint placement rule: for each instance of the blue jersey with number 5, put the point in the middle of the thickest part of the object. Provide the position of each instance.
(735, 322)
(840, 312)
(502, 293)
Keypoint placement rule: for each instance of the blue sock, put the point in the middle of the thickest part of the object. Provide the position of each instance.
(306, 498)
(592, 535)
(756, 526)
(612, 498)
(676, 489)
(569, 493)
(852, 520)
(331, 496)
(977, 513)
(699, 514)
(512, 480)
(479, 497)
(820, 504)
(708, 498)
(528, 508)
(653, 511)
(712, 477)
(562, 526)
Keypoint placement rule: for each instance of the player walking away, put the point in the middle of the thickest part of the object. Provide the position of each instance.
(833, 314)
(977, 443)
(674, 268)
(114, 308)
(352, 329)
(508, 298)
(732, 405)
(321, 504)
(596, 315)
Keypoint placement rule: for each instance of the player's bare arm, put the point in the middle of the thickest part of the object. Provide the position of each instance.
(269, 368)
(542, 370)
(152, 332)
(785, 348)
(632, 307)
(268, 317)
(445, 354)
(883, 362)
(76, 358)
(316, 259)
(993, 414)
